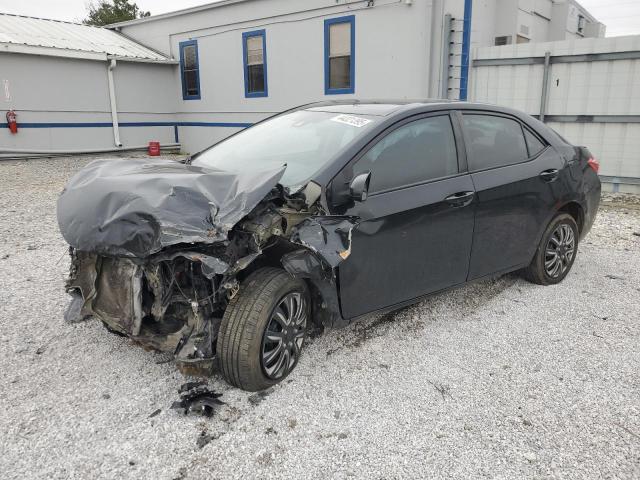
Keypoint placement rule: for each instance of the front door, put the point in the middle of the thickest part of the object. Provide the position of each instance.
(417, 223)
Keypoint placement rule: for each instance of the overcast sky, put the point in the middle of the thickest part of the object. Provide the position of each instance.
(622, 17)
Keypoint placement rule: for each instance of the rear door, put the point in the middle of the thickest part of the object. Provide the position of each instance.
(417, 223)
(515, 174)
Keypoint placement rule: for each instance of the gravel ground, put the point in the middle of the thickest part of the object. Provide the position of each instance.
(501, 379)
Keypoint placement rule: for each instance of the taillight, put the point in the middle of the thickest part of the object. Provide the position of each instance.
(594, 164)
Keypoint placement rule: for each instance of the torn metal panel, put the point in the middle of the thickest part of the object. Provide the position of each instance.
(327, 242)
(329, 236)
(134, 208)
(310, 266)
(118, 298)
(107, 288)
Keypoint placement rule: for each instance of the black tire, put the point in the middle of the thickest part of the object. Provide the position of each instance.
(538, 272)
(240, 346)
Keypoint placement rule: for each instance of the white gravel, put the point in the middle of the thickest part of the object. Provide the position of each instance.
(501, 379)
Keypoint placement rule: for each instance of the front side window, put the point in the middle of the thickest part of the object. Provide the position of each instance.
(417, 152)
(339, 38)
(255, 63)
(190, 70)
(303, 140)
(493, 141)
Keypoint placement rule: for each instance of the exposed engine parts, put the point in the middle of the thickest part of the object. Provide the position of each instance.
(164, 278)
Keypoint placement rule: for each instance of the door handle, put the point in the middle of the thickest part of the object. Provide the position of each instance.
(549, 175)
(460, 199)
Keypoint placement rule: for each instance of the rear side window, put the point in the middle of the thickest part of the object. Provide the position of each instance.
(493, 141)
(416, 152)
(534, 145)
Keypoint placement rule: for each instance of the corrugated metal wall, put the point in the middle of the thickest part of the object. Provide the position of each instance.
(595, 80)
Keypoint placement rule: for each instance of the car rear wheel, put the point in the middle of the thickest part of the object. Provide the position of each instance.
(263, 330)
(556, 252)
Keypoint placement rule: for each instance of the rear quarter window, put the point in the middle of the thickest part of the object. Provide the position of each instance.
(493, 141)
(534, 144)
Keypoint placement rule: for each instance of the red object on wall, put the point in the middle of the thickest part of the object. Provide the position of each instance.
(11, 121)
(154, 149)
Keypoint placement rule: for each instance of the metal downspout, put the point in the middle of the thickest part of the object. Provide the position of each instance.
(466, 48)
(446, 57)
(431, 78)
(545, 86)
(114, 108)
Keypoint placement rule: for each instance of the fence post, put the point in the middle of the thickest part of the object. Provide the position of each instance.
(545, 85)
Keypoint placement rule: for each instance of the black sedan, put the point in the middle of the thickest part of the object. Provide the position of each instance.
(319, 215)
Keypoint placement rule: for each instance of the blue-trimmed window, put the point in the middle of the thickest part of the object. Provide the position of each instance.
(190, 70)
(254, 53)
(340, 55)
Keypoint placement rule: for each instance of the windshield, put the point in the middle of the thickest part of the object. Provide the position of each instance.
(303, 140)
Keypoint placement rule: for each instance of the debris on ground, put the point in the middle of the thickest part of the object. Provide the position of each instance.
(258, 397)
(196, 397)
(204, 439)
(614, 277)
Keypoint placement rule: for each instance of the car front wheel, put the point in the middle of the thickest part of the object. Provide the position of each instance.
(263, 330)
(556, 252)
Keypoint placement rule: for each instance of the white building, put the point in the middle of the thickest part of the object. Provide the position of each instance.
(522, 21)
(197, 75)
(76, 87)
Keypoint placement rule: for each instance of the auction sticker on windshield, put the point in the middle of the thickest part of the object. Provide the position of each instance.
(351, 120)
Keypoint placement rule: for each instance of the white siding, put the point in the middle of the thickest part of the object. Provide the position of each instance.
(50, 90)
(393, 57)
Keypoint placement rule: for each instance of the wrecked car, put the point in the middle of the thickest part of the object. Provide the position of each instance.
(318, 216)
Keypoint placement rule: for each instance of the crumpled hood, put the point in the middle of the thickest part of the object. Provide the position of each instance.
(137, 207)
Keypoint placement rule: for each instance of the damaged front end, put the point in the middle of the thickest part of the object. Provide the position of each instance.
(158, 249)
(167, 304)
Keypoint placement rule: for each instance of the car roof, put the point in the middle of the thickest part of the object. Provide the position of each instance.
(381, 108)
(386, 108)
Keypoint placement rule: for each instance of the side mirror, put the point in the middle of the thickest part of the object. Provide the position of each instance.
(359, 187)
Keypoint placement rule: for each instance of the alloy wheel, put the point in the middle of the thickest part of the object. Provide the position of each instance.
(283, 339)
(559, 251)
